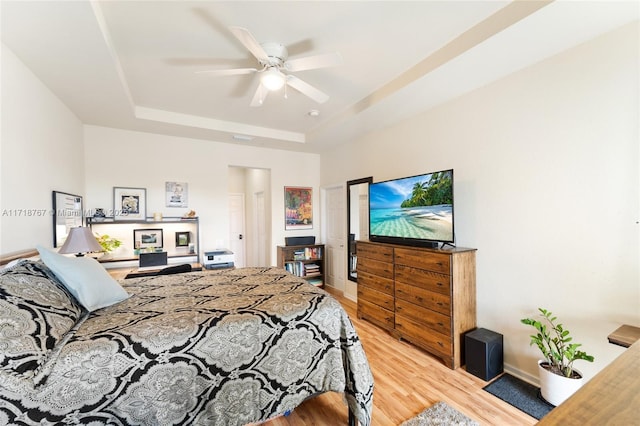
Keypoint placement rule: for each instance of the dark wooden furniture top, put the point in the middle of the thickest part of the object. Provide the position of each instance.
(625, 335)
(612, 397)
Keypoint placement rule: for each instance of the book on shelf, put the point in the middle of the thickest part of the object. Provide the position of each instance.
(316, 282)
(313, 253)
(301, 269)
(311, 269)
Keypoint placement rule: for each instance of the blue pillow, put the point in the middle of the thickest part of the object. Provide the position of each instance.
(85, 278)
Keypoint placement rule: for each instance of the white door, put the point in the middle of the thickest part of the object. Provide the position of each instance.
(236, 229)
(261, 230)
(335, 217)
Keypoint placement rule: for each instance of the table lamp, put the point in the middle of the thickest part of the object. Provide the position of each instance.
(80, 241)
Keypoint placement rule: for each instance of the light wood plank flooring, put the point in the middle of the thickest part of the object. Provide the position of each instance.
(407, 380)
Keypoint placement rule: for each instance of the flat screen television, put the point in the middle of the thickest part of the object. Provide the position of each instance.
(414, 210)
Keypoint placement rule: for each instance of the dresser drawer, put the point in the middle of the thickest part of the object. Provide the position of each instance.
(383, 285)
(432, 320)
(436, 343)
(428, 280)
(435, 262)
(379, 316)
(374, 251)
(425, 298)
(377, 298)
(375, 267)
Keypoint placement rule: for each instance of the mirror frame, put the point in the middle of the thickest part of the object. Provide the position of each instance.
(351, 183)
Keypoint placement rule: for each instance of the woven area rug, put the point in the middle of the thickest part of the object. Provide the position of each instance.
(440, 414)
(522, 395)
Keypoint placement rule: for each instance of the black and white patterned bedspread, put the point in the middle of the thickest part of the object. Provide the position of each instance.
(206, 348)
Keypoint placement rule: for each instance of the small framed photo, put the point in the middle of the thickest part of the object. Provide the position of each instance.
(183, 239)
(147, 238)
(129, 203)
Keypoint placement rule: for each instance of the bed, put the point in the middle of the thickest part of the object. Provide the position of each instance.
(228, 347)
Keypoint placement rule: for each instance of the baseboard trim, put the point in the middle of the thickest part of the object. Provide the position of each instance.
(534, 380)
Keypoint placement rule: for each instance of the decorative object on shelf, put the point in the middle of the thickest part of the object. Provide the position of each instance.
(177, 194)
(182, 239)
(147, 238)
(108, 243)
(67, 214)
(190, 214)
(157, 217)
(80, 241)
(98, 215)
(298, 208)
(129, 203)
(558, 379)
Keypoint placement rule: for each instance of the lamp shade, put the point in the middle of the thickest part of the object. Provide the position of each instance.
(272, 79)
(80, 240)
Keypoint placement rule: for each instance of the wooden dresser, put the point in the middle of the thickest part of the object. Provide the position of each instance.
(425, 296)
(375, 284)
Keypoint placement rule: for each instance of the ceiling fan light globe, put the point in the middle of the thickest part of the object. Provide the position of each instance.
(272, 79)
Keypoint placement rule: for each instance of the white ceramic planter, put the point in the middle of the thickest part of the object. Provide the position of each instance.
(555, 388)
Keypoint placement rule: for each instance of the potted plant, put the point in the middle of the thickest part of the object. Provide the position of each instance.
(108, 243)
(558, 378)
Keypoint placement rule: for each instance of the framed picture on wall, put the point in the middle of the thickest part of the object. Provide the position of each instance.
(147, 238)
(67, 214)
(129, 203)
(298, 208)
(182, 239)
(177, 194)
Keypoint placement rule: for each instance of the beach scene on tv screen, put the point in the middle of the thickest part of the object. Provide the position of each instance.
(414, 207)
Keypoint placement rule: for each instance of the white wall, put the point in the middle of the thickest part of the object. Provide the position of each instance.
(546, 188)
(41, 151)
(123, 158)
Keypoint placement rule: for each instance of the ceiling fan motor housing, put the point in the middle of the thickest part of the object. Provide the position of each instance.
(277, 54)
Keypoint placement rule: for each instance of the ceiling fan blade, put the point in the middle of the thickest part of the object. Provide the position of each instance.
(237, 71)
(314, 62)
(250, 43)
(259, 96)
(307, 89)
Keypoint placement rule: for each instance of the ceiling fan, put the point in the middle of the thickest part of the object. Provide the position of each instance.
(273, 58)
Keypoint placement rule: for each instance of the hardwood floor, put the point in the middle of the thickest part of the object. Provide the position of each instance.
(407, 380)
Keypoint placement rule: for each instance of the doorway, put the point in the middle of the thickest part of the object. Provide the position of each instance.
(237, 241)
(253, 238)
(334, 231)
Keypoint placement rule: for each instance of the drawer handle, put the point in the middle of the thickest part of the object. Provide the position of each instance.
(419, 299)
(441, 324)
(440, 284)
(440, 343)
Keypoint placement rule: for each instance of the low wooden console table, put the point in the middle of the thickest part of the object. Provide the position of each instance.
(611, 397)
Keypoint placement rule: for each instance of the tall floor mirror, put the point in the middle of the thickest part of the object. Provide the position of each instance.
(357, 219)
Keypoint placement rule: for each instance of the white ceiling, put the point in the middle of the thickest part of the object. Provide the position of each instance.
(132, 64)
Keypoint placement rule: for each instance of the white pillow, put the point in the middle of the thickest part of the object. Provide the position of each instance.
(85, 278)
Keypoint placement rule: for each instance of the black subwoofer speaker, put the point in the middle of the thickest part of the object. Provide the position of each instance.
(483, 353)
